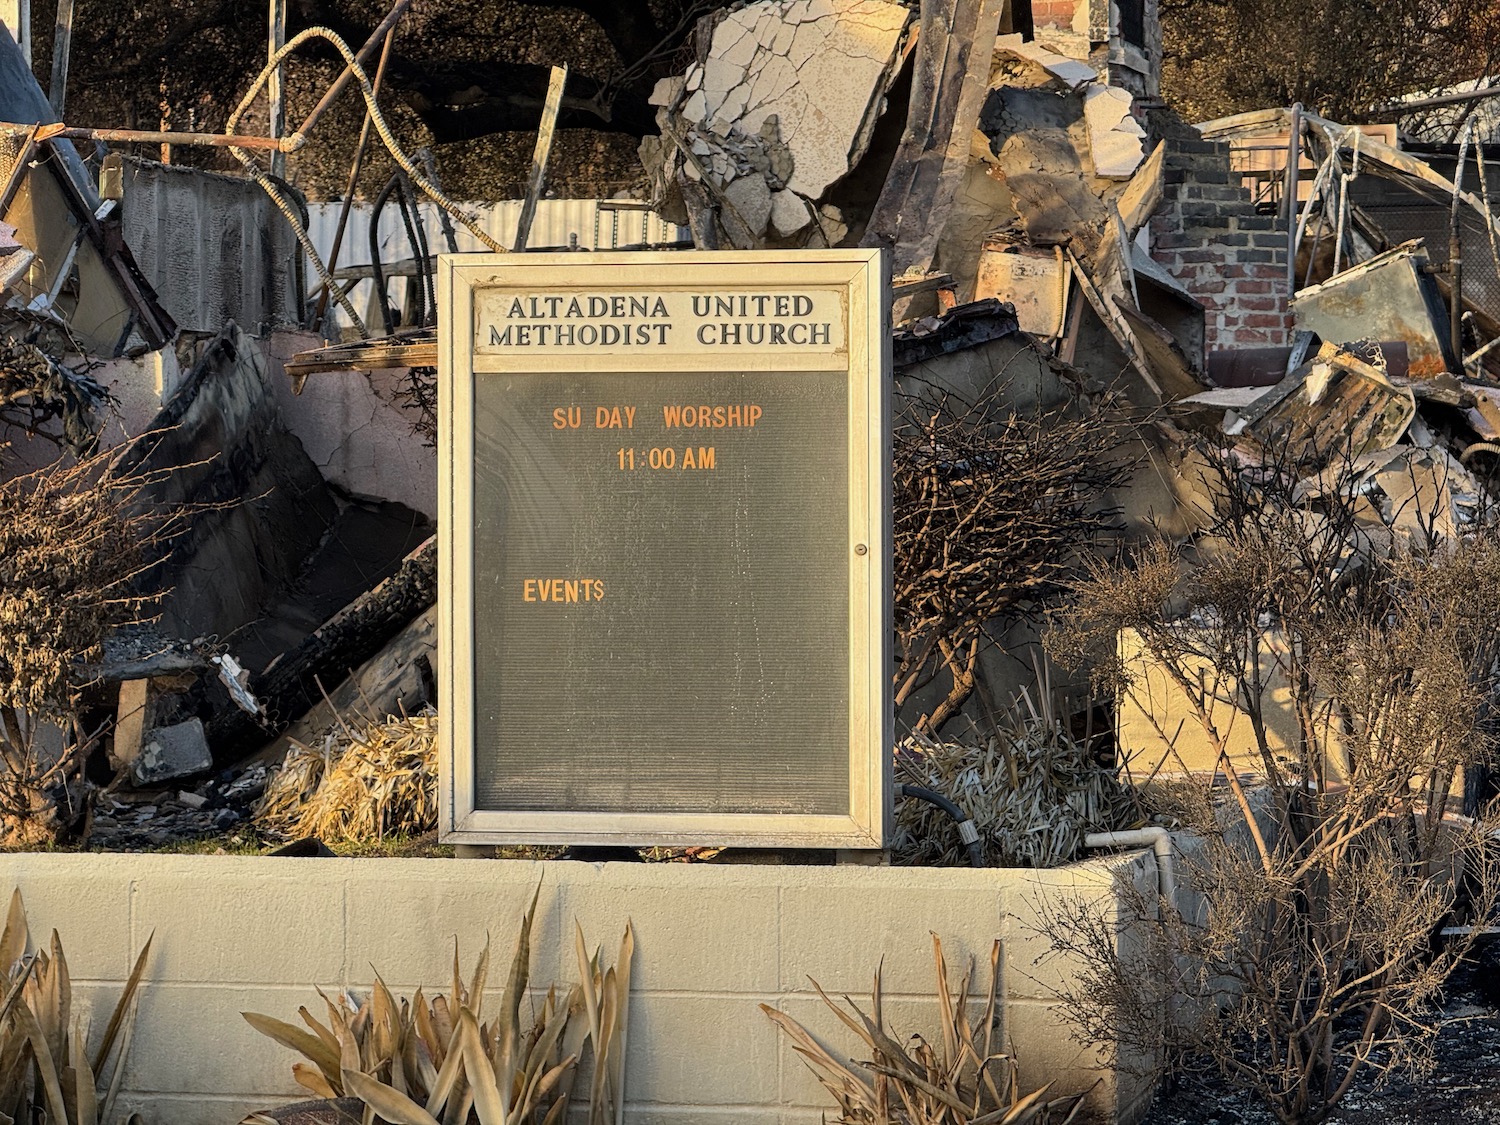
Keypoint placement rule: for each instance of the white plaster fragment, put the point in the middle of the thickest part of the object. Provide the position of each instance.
(1114, 136)
(666, 91)
(789, 213)
(820, 79)
(1070, 72)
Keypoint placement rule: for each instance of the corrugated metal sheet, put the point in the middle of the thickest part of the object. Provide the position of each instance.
(590, 224)
(583, 224)
(213, 247)
(216, 249)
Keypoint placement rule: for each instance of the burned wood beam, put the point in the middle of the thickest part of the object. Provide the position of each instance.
(954, 50)
(290, 684)
(417, 350)
(539, 157)
(62, 38)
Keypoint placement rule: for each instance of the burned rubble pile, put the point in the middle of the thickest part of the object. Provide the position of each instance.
(1271, 285)
(1266, 287)
(283, 568)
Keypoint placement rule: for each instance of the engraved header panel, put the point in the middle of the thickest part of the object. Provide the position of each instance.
(711, 322)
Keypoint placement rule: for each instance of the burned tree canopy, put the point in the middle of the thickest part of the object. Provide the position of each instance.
(1338, 57)
(456, 72)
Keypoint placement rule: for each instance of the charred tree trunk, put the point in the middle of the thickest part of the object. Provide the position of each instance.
(290, 685)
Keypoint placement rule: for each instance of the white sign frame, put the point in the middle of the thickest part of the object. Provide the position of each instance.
(863, 352)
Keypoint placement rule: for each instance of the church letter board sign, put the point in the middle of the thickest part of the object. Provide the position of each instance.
(664, 516)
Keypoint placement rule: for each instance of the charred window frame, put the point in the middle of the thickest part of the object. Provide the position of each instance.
(1132, 22)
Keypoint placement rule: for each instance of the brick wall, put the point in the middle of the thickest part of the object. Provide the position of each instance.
(1209, 237)
(1053, 13)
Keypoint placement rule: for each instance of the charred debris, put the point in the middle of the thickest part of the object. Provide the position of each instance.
(1302, 296)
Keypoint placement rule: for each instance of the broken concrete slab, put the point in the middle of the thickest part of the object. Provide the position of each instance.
(785, 94)
(1070, 72)
(172, 752)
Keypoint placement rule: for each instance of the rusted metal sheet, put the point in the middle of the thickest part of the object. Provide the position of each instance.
(1390, 297)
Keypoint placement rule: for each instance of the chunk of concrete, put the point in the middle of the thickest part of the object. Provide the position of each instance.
(751, 200)
(1070, 72)
(169, 752)
(821, 66)
(789, 213)
(1115, 138)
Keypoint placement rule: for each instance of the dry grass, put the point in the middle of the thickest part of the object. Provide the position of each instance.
(1032, 789)
(359, 785)
(960, 1078)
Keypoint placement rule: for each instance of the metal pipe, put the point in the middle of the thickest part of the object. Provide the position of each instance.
(1435, 101)
(148, 136)
(1456, 252)
(1160, 841)
(1291, 177)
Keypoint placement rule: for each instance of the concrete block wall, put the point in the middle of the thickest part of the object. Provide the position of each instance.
(1209, 237)
(237, 934)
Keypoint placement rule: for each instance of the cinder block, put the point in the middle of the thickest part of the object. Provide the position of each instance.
(191, 1039)
(700, 1050)
(405, 915)
(1034, 968)
(1041, 1041)
(88, 906)
(839, 935)
(224, 920)
(711, 938)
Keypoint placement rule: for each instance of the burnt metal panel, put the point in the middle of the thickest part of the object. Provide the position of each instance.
(213, 245)
(1390, 297)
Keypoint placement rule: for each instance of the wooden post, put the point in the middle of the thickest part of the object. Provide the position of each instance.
(276, 106)
(62, 38)
(539, 156)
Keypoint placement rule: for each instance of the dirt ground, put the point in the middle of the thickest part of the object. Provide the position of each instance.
(1463, 1088)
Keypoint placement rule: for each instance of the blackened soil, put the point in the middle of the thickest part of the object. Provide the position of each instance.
(1465, 1087)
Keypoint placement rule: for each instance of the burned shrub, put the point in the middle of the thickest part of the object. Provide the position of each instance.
(1304, 959)
(72, 542)
(993, 509)
(37, 391)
